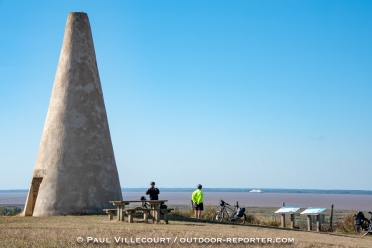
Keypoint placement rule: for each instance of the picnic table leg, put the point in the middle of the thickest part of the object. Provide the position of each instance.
(130, 217)
(118, 213)
(166, 216)
(110, 215)
(153, 212)
(145, 216)
(156, 212)
(121, 212)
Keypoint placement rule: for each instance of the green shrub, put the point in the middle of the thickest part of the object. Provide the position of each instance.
(10, 211)
(3, 210)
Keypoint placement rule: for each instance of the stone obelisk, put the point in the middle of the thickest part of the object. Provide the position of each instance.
(75, 170)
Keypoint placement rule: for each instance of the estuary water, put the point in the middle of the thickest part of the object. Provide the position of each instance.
(246, 199)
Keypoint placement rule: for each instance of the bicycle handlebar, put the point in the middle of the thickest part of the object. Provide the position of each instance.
(225, 203)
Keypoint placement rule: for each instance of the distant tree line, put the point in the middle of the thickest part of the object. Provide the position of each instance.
(9, 211)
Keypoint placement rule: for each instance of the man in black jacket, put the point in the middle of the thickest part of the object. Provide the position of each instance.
(153, 192)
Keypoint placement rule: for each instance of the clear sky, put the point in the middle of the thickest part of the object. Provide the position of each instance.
(262, 94)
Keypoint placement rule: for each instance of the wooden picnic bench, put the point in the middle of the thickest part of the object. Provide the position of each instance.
(155, 207)
(120, 207)
(146, 211)
(110, 213)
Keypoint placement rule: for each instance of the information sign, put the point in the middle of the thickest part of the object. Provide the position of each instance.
(287, 210)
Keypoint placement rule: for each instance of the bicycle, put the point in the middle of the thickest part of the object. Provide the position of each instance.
(227, 213)
(148, 206)
(362, 223)
(144, 205)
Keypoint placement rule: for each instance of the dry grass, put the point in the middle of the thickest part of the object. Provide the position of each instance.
(62, 231)
(264, 220)
(343, 220)
(346, 225)
(208, 212)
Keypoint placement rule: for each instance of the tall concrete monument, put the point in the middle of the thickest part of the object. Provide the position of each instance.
(75, 170)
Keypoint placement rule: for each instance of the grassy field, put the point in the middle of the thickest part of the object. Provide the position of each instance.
(256, 215)
(63, 231)
(266, 216)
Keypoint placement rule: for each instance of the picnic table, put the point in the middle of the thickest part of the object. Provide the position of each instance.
(155, 207)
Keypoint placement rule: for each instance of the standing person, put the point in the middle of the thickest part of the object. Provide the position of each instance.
(197, 198)
(153, 192)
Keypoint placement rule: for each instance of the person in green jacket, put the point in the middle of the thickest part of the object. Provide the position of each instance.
(197, 199)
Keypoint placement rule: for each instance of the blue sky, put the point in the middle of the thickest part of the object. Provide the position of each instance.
(263, 94)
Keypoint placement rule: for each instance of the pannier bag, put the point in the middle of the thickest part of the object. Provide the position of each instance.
(240, 212)
(359, 218)
(163, 206)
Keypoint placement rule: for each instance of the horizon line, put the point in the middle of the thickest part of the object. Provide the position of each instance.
(225, 188)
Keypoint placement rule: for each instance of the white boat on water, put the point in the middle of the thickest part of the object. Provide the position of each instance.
(255, 191)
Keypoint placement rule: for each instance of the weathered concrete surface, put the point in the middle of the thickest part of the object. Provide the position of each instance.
(76, 158)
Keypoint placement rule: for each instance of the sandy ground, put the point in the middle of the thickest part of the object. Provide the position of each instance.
(63, 231)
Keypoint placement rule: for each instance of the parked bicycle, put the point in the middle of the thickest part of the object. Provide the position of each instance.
(145, 204)
(228, 213)
(148, 205)
(362, 224)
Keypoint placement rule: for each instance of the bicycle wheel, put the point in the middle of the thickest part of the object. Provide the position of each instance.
(368, 230)
(218, 216)
(361, 229)
(241, 220)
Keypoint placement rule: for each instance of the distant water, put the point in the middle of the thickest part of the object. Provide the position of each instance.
(13, 198)
(266, 190)
(340, 201)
